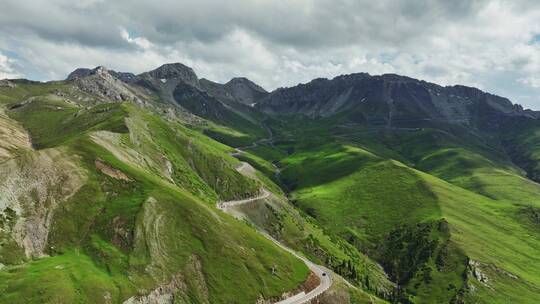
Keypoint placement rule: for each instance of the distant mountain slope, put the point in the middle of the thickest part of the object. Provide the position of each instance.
(391, 100)
(416, 176)
(173, 85)
(245, 90)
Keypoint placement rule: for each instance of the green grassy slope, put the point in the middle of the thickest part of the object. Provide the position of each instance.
(144, 217)
(277, 217)
(451, 214)
(484, 170)
(465, 210)
(521, 140)
(52, 122)
(281, 220)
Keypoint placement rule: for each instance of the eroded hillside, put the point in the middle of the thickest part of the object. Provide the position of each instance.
(113, 203)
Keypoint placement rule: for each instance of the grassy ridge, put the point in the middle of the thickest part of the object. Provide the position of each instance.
(200, 164)
(117, 238)
(52, 122)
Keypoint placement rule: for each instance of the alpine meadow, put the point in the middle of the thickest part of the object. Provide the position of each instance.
(160, 186)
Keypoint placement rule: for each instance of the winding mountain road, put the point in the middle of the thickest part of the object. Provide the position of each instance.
(324, 275)
(224, 205)
(321, 272)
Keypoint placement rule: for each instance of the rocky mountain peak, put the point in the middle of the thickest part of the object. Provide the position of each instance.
(391, 100)
(102, 72)
(79, 73)
(243, 81)
(105, 83)
(85, 72)
(244, 90)
(176, 71)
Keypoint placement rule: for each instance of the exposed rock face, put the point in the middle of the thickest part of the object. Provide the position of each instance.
(177, 86)
(164, 80)
(173, 71)
(199, 102)
(477, 273)
(84, 72)
(162, 295)
(13, 138)
(79, 73)
(212, 101)
(101, 82)
(217, 90)
(391, 100)
(125, 77)
(32, 186)
(320, 97)
(112, 172)
(6, 83)
(244, 90)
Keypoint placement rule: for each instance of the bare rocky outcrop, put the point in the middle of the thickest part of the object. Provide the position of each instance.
(85, 72)
(13, 138)
(32, 186)
(238, 90)
(164, 294)
(102, 83)
(480, 271)
(178, 85)
(110, 171)
(79, 73)
(476, 272)
(333, 296)
(5, 83)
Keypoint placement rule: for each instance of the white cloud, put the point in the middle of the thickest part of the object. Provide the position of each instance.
(141, 42)
(531, 81)
(6, 68)
(484, 43)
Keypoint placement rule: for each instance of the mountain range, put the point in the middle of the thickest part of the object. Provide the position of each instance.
(164, 187)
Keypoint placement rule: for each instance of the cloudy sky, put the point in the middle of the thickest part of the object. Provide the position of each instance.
(490, 44)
